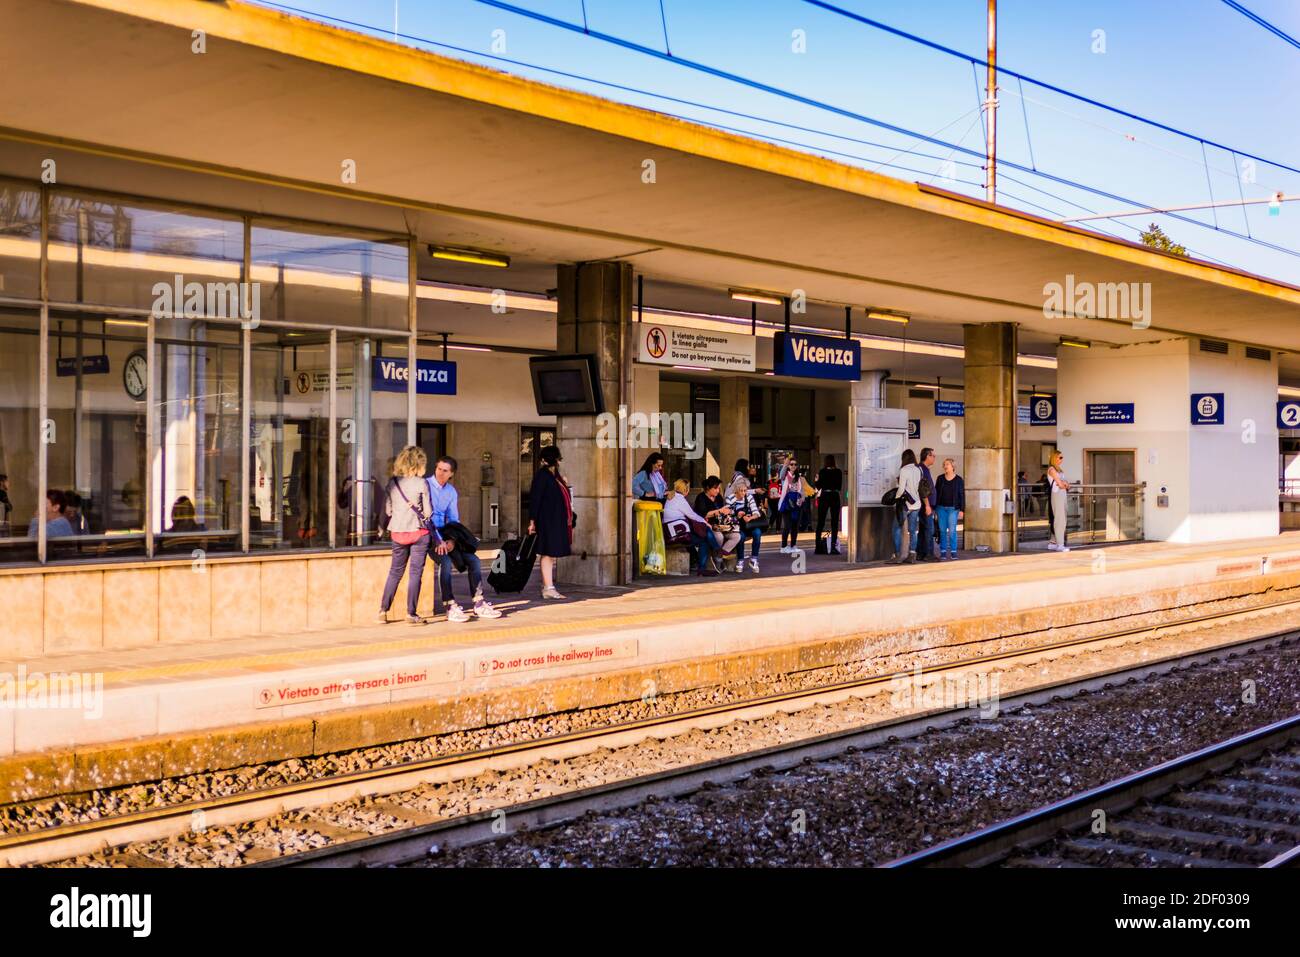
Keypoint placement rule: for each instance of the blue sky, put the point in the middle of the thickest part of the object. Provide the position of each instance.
(1195, 65)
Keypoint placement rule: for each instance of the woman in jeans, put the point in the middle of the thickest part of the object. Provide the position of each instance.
(908, 509)
(789, 505)
(407, 506)
(950, 496)
(677, 508)
(740, 499)
(713, 506)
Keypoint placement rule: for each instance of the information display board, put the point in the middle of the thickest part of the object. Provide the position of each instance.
(878, 454)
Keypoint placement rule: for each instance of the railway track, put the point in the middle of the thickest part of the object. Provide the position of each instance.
(352, 848)
(1233, 804)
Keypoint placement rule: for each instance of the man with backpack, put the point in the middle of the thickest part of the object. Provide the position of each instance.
(455, 544)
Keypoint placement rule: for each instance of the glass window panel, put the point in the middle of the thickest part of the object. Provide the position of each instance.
(20, 241)
(97, 448)
(20, 498)
(197, 378)
(372, 430)
(323, 278)
(108, 251)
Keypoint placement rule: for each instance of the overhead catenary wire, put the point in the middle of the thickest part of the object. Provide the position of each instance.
(1271, 28)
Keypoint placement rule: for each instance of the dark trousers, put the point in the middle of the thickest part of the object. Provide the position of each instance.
(703, 546)
(789, 528)
(829, 503)
(473, 568)
(402, 554)
(925, 534)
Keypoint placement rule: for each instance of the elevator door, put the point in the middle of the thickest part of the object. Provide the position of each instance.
(1109, 475)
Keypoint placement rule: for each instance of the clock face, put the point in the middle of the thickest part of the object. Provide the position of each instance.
(135, 375)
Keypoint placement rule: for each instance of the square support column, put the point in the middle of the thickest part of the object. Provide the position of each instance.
(593, 312)
(990, 435)
(733, 424)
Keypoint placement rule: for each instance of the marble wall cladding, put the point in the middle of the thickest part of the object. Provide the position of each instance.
(130, 607)
(74, 612)
(329, 593)
(284, 597)
(184, 603)
(236, 599)
(22, 608)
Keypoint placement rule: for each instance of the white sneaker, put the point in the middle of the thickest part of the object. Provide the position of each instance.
(753, 565)
(1063, 548)
(740, 566)
(483, 609)
(456, 613)
(1052, 547)
(786, 550)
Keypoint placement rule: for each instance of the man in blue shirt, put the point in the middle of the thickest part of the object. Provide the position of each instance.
(443, 499)
(925, 533)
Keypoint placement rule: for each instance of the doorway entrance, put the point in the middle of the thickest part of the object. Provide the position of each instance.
(1108, 501)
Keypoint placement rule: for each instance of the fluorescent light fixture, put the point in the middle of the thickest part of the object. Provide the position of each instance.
(888, 316)
(462, 254)
(924, 385)
(1075, 343)
(745, 295)
(139, 323)
(469, 348)
(484, 297)
(1289, 391)
(694, 368)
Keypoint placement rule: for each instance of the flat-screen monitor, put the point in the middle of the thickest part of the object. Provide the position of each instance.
(566, 385)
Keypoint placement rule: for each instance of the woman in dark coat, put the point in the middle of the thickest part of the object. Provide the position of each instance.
(551, 505)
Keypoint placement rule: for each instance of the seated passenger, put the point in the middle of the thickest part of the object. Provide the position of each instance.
(678, 509)
(750, 519)
(711, 504)
(56, 526)
(450, 548)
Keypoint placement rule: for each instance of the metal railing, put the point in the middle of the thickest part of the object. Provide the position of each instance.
(1094, 513)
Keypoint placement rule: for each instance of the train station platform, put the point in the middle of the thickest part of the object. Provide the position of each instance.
(178, 708)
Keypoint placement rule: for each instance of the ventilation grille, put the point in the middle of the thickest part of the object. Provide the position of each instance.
(1212, 345)
(1255, 352)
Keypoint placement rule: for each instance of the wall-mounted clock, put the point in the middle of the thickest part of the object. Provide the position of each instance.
(135, 374)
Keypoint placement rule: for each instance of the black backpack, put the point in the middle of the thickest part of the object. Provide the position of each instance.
(924, 488)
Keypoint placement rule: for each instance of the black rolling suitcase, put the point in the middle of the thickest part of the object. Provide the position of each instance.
(518, 557)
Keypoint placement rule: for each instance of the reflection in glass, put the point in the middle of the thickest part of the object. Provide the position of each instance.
(20, 498)
(20, 241)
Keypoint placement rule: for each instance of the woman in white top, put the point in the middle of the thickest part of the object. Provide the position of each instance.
(909, 484)
(678, 509)
(1058, 502)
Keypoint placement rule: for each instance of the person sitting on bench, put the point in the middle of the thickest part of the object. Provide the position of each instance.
(444, 502)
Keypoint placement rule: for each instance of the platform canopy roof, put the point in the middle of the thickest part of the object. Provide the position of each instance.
(465, 155)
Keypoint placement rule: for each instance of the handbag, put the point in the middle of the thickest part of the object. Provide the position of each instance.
(426, 524)
(677, 532)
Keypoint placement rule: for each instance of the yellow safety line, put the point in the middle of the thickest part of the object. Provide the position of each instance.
(265, 661)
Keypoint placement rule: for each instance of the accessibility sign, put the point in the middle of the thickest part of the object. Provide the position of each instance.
(1207, 408)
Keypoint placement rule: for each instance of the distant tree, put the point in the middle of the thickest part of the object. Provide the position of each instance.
(1155, 238)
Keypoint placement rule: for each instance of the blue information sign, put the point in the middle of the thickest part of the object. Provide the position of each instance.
(432, 376)
(1042, 410)
(949, 410)
(816, 357)
(1288, 414)
(1109, 413)
(1207, 408)
(913, 428)
(90, 365)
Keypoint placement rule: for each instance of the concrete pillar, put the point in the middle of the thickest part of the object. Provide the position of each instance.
(593, 311)
(733, 424)
(990, 435)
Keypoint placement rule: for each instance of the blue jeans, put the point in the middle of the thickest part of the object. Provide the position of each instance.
(753, 534)
(911, 519)
(703, 545)
(473, 568)
(948, 529)
(923, 544)
(415, 554)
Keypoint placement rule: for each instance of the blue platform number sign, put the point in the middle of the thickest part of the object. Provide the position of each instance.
(913, 428)
(1207, 408)
(432, 376)
(1109, 413)
(1288, 414)
(944, 409)
(1042, 410)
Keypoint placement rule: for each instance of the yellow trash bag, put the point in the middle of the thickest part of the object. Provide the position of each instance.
(652, 556)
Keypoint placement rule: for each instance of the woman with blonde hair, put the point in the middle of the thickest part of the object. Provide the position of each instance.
(1057, 502)
(407, 509)
(678, 511)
